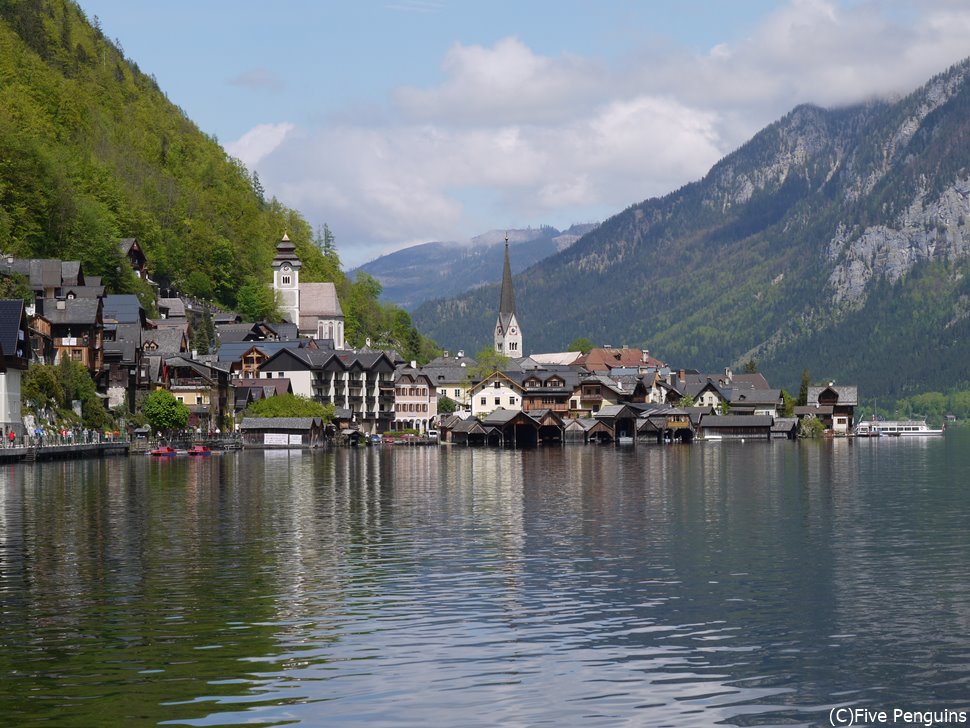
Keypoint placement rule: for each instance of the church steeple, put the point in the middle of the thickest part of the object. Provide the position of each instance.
(507, 301)
(508, 333)
(286, 279)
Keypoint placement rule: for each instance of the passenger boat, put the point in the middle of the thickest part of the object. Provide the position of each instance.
(199, 451)
(163, 451)
(895, 428)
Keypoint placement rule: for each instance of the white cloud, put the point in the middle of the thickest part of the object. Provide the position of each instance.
(258, 142)
(510, 137)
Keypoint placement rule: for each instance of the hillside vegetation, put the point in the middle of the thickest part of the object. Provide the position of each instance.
(835, 240)
(92, 151)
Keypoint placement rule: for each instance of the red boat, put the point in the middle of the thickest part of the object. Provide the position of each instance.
(163, 452)
(199, 451)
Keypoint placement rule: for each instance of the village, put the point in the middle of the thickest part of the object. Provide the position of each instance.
(607, 394)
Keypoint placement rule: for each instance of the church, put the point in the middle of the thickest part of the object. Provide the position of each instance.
(508, 333)
(313, 307)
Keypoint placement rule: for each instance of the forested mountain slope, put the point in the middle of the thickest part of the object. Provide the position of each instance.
(834, 240)
(92, 151)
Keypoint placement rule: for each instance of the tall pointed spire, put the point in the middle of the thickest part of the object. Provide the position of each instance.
(508, 333)
(507, 301)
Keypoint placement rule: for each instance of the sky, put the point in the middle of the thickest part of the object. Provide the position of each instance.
(398, 122)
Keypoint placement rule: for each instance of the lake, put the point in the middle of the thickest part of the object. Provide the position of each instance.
(736, 583)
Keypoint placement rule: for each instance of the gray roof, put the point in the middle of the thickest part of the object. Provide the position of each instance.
(80, 311)
(736, 421)
(755, 396)
(88, 291)
(234, 332)
(11, 313)
(847, 394)
(319, 300)
(233, 350)
(280, 423)
(71, 272)
(175, 307)
(125, 350)
(124, 308)
(168, 339)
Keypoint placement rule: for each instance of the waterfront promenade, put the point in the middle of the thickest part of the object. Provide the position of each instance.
(33, 453)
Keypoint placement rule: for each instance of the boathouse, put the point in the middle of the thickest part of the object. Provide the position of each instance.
(282, 432)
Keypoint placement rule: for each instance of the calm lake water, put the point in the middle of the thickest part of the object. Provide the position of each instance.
(734, 583)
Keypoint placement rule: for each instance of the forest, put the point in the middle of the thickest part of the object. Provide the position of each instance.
(92, 151)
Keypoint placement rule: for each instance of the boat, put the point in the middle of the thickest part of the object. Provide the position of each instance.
(199, 451)
(895, 428)
(163, 451)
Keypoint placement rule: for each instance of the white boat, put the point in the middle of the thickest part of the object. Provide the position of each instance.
(894, 428)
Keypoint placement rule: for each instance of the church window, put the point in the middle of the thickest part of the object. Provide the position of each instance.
(286, 280)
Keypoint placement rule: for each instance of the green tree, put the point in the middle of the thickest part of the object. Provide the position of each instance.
(750, 367)
(811, 427)
(685, 401)
(164, 412)
(803, 389)
(580, 344)
(255, 301)
(446, 405)
(488, 361)
(788, 410)
(290, 405)
(15, 285)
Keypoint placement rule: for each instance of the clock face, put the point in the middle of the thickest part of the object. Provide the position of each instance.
(512, 330)
(286, 268)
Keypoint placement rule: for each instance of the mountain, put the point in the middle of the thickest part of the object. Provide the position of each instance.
(92, 151)
(835, 240)
(420, 273)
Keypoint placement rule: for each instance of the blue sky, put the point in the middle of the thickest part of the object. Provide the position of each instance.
(407, 121)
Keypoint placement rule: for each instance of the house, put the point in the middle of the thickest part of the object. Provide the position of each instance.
(132, 251)
(282, 432)
(587, 429)
(756, 402)
(622, 419)
(201, 387)
(596, 391)
(244, 358)
(14, 358)
(499, 389)
(550, 388)
(841, 399)
(362, 382)
(415, 400)
(77, 331)
(451, 378)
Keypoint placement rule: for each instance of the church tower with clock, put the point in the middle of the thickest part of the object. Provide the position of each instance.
(508, 333)
(286, 279)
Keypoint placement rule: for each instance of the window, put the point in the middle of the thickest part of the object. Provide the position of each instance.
(179, 398)
(513, 345)
(498, 385)
(482, 401)
(198, 399)
(286, 280)
(512, 400)
(498, 401)
(457, 392)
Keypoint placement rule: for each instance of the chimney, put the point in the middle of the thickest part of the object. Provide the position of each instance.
(195, 353)
(414, 364)
(646, 355)
(728, 374)
(461, 353)
(446, 354)
(680, 375)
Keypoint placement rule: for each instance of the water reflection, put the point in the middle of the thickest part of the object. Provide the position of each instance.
(754, 583)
